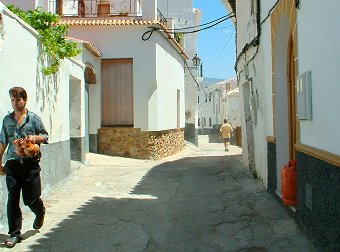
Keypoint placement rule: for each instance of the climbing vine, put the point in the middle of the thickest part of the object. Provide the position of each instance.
(52, 35)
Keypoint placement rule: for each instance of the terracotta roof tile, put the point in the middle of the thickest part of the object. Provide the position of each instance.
(88, 45)
(113, 22)
(93, 22)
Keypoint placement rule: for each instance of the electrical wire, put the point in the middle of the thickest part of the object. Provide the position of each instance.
(146, 37)
(190, 27)
(220, 28)
(208, 27)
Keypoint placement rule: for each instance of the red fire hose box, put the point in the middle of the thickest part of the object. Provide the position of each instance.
(289, 184)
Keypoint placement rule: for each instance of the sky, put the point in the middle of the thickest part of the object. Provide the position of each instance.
(216, 46)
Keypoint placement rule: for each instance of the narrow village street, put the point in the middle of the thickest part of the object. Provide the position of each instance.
(200, 199)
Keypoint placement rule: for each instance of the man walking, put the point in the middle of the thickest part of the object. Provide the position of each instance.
(226, 131)
(22, 168)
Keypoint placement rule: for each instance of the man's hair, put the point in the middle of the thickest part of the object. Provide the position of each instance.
(17, 92)
(225, 120)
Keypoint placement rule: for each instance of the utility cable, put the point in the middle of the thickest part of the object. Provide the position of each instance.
(184, 28)
(220, 28)
(146, 37)
(208, 27)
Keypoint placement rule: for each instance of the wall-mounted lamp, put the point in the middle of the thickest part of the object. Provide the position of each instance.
(196, 61)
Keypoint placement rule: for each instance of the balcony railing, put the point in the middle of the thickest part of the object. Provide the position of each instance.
(95, 8)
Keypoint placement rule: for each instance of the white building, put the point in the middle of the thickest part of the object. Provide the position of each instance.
(185, 18)
(231, 107)
(138, 97)
(211, 101)
(287, 70)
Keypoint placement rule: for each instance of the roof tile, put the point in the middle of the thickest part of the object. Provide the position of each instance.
(94, 22)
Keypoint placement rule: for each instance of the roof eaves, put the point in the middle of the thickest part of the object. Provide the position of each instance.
(88, 45)
(115, 22)
(232, 4)
(173, 41)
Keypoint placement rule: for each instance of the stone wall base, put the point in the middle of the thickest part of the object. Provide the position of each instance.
(132, 142)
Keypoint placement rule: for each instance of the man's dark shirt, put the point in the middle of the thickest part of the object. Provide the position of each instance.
(10, 131)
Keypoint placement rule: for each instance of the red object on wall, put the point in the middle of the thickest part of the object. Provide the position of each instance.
(289, 184)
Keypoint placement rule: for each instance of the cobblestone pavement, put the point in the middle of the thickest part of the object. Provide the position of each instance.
(200, 199)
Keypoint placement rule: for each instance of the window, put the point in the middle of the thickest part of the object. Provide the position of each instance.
(198, 99)
(199, 122)
(58, 7)
(209, 97)
(206, 97)
(214, 112)
(205, 121)
(209, 121)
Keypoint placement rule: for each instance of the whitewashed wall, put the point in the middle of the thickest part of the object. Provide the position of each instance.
(246, 26)
(180, 14)
(94, 90)
(258, 81)
(232, 108)
(260, 72)
(167, 87)
(322, 59)
(213, 107)
(207, 109)
(148, 76)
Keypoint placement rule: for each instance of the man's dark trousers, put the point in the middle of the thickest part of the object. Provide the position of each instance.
(23, 176)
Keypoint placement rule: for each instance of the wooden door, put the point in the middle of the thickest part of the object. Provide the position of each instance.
(117, 92)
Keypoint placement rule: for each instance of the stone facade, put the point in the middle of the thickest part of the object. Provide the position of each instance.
(132, 142)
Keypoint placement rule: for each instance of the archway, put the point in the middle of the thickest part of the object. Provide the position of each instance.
(90, 79)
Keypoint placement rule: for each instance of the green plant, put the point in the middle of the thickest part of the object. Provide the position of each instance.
(123, 13)
(179, 36)
(52, 35)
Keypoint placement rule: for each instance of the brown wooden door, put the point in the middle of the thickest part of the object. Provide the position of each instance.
(291, 101)
(117, 92)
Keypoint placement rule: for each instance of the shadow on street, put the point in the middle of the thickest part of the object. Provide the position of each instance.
(192, 204)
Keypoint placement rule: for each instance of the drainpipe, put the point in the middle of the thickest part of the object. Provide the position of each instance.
(258, 18)
(149, 9)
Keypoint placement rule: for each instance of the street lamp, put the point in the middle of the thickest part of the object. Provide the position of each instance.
(196, 61)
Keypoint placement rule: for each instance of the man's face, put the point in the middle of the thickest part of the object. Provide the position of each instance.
(18, 104)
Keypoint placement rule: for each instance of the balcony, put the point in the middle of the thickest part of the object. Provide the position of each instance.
(96, 8)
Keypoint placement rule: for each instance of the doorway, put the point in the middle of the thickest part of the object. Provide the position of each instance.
(248, 116)
(75, 112)
(292, 101)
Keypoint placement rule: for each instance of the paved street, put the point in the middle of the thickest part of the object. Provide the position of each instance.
(198, 200)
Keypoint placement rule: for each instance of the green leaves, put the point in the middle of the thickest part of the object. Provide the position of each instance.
(52, 35)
